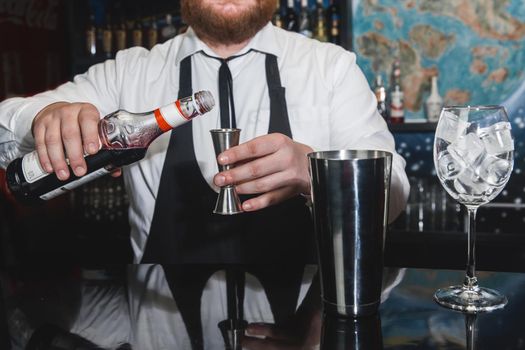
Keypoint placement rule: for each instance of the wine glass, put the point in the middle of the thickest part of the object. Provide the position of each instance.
(473, 157)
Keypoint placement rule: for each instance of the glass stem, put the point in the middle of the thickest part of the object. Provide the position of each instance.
(470, 278)
(470, 325)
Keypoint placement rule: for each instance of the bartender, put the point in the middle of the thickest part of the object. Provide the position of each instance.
(290, 95)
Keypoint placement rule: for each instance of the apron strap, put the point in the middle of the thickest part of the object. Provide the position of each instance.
(278, 111)
(185, 83)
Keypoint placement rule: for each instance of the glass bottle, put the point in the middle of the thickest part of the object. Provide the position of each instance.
(153, 33)
(305, 23)
(107, 38)
(380, 92)
(334, 23)
(320, 32)
(120, 35)
(290, 19)
(91, 36)
(434, 102)
(397, 107)
(124, 138)
(169, 30)
(277, 19)
(137, 34)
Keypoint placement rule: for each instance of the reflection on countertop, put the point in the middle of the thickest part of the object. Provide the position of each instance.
(130, 307)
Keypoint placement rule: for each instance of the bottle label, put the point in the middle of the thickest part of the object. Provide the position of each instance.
(74, 184)
(31, 167)
(170, 116)
(397, 112)
(380, 94)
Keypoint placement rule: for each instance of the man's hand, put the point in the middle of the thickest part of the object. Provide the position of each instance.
(66, 130)
(271, 165)
(269, 337)
(303, 333)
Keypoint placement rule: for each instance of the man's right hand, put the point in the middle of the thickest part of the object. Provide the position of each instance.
(66, 130)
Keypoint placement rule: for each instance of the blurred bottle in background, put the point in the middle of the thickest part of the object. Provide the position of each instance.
(291, 21)
(434, 102)
(91, 34)
(277, 18)
(320, 27)
(107, 37)
(137, 35)
(397, 107)
(153, 33)
(305, 22)
(120, 33)
(380, 92)
(169, 30)
(334, 23)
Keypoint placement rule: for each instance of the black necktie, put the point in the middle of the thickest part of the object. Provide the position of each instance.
(226, 92)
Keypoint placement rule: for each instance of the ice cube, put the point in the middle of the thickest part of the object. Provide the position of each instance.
(447, 167)
(471, 187)
(464, 113)
(468, 150)
(497, 138)
(451, 127)
(494, 170)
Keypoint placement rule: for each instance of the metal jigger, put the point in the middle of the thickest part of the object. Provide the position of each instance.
(228, 202)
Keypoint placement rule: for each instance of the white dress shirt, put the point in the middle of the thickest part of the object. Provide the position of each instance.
(330, 106)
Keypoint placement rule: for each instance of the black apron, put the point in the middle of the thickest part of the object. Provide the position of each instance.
(192, 243)
(184, 229)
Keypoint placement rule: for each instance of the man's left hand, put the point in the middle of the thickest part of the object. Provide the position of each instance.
(271, 165)
(269, 337)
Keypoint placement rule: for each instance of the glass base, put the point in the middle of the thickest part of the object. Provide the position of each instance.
(470, 299)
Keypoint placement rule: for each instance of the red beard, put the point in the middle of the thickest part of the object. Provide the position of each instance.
(226, 30)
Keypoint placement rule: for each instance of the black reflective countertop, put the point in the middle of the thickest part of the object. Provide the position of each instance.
(133, 307)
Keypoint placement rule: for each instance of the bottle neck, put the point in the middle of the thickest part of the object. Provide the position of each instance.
(123, 130)
(170, 116)
(434, 89)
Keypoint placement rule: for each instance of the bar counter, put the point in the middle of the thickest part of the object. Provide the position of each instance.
(88, 309)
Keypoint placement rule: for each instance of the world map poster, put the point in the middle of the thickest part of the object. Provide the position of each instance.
(475, 47)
